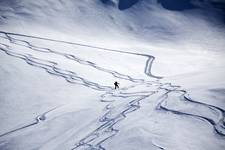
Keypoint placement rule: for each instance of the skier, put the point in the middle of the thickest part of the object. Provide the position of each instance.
(116, 85)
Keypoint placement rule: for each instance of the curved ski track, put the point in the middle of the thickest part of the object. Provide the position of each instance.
(114, 113)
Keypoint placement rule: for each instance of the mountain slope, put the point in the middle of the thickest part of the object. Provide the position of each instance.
(59, 60)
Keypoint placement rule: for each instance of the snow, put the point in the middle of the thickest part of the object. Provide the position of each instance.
(59, 60)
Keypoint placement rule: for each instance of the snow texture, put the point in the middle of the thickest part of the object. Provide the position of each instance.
(59, 60)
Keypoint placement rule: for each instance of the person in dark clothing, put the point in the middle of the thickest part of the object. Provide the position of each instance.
(116, 85)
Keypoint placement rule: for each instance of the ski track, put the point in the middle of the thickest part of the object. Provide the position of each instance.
(113, 114)
(40, 118)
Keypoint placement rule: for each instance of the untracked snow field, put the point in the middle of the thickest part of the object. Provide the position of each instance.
(56, 87)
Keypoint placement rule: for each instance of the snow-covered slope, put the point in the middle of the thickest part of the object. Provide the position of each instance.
(59, 59)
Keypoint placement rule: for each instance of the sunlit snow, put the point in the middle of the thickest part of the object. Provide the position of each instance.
(59, 60)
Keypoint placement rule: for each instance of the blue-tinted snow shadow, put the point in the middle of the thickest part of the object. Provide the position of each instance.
(177, 4)
(122, 5)
(125, 4)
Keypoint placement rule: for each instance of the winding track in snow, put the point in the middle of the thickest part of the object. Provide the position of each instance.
(113, 115)
(148, 65)
(37, 120)
(217, 123)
